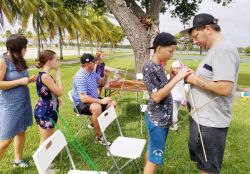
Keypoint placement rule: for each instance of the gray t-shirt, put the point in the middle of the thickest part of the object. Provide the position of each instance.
(155, 79)
(221, 63)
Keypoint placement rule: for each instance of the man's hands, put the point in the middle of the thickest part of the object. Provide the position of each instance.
(106, 100)
(183, 72)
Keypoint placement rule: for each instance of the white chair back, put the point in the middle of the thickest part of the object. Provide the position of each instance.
(71, 99)
(70, 95)
(106, 118)
(48, 150)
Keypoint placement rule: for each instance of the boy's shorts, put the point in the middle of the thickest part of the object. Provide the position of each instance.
(157, 140)
(214, 140)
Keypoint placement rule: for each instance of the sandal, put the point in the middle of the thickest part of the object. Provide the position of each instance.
(20, 163)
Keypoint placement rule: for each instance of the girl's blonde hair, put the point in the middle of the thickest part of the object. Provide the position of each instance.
(99, 53)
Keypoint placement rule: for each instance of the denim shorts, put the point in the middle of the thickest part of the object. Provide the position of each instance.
(214, 140)
(157, 140)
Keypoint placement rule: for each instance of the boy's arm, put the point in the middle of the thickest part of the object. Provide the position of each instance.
(164, 92)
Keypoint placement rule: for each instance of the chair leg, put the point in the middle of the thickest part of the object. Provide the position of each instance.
(137, 166)
(84, 124)
(81, 127)
(115, 165)
(141, 124)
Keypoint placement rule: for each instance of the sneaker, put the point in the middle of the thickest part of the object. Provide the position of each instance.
(20, 163)
(101, 141)
(90, 126)
(174, 127)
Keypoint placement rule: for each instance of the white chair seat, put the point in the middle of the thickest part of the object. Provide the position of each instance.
(85, 172)
(127, 147)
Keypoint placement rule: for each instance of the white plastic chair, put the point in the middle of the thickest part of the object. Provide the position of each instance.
(123, 147)
(49, 149)
(86, 119)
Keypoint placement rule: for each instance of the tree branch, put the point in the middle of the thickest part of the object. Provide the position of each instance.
(135, 31)
(154, 8)
(136, 9)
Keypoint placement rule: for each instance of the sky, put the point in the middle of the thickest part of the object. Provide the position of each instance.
(234, 20)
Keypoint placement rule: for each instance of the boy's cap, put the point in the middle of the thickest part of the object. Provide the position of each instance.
(177, 64)
(201, 20)
(87, 58)
(163, 39)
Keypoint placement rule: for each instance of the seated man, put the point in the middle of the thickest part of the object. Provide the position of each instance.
(85, 93)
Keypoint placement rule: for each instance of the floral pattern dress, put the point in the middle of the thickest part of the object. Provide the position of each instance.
(46, 106)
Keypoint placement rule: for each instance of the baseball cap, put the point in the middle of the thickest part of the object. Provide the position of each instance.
(177, 64)
(201, 20)
(163, 39)
(87, 58)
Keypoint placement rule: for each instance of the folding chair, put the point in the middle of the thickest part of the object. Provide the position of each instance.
(86, 120)
(49, 149)
(123, 147)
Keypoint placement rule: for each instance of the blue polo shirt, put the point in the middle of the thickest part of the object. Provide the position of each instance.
(85, 83)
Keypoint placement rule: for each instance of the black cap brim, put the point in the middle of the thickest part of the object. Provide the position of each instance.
(186, 31)
(151, 48)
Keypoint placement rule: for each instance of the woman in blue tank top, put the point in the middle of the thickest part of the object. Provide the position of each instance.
(15, 105)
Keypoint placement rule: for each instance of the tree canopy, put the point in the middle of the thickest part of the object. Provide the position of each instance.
(140, 19)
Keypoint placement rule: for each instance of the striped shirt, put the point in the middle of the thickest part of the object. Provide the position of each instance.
(85, 83)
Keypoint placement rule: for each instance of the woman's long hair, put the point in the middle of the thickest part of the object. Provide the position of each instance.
(15, 43)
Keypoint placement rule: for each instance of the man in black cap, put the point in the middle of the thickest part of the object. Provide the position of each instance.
(214, 80)
(85, 93)
(159, 112)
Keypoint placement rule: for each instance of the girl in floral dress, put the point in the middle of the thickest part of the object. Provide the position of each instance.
(49, 90)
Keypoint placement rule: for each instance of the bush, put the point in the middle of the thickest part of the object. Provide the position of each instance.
(247, 50)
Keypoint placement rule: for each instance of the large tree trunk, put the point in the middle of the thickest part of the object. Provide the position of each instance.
(136, 33)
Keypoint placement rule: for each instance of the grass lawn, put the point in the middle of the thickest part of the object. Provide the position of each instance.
(236, 158)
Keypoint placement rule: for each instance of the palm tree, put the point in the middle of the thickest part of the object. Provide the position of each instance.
(10, 10)
(64, 20)
(38, 10)
(118, 36)
(29, 35)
